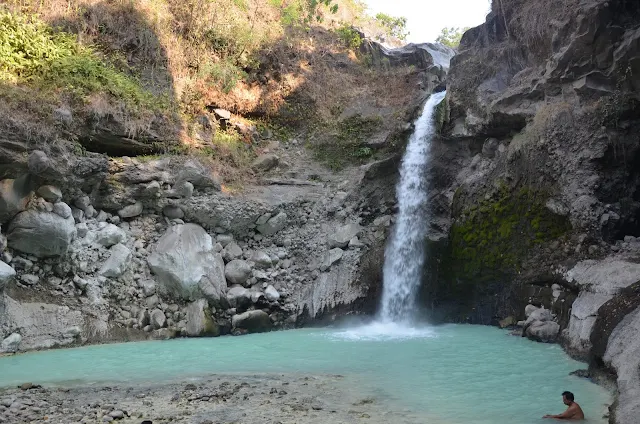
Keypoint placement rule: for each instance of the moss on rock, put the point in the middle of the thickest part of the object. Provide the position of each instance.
(494, 236)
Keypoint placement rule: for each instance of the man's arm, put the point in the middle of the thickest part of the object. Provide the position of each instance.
(566, 415)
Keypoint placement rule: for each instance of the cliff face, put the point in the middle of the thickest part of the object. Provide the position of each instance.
(539, 198)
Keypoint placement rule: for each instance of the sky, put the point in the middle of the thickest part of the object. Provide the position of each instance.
(425, 18)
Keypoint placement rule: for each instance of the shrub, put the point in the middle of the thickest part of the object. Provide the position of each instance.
(349, 36)
(32, 53)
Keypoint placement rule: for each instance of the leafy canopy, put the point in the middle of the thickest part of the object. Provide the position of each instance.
(451, 36)
(395, 26)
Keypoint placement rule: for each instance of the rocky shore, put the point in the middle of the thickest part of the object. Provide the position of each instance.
(216, 399)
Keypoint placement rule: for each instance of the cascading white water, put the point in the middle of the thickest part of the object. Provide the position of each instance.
(405, 254)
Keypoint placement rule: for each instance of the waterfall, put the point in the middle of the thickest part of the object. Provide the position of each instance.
(405, 253)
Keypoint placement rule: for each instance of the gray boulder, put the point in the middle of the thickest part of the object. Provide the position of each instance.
(186, 265)
(7, 274)
(110, 235)
(148, 287)
(261, 259)
(543, 331)
(11, 343)
(157, 319)
(252, 321)
(131, 211)
(271, 294)
(62, 210)
(239, 297)
(40, 233)
(231, 251)
(265, 162)
(199, 320)
(273, 225)
(50, 193)
(343, 235)
(173, 212)
(116, 265)
(237, 272)
(331, 257)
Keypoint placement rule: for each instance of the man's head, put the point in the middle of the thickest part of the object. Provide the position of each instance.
(567, 398)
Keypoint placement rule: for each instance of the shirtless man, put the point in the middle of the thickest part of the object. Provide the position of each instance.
(573, 412)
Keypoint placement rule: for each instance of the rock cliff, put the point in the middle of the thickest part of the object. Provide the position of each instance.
(537, 193)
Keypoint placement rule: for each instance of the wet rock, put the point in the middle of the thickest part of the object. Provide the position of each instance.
(199, 320)
(41, 234)
(252, 321)
(116, 265)
(237, 272)
(543, 331)
(131, 211)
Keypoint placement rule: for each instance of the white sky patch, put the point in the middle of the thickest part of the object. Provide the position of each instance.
(425, 18)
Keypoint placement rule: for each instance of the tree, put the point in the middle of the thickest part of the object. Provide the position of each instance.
(395, 27)
(451, 36)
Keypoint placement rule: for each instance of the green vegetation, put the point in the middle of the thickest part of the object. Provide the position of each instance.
(349, 36)
(347, 147)
(33, 53)
(496, 234)
(442, 114)
(451, 36)
(394, 26)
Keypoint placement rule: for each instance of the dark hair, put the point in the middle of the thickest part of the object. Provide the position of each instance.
(568, 395)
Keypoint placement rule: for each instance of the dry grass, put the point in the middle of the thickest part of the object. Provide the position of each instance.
(240, 55)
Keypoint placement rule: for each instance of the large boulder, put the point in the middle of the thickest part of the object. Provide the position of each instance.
(157, 319)
(252, 321)
(543, 331)
(41, 233)
(343, 235)
(6, 274)
(186, 265)
(273, 224)
(116, 265)
(199, 320)
(237, 272)
(239, 297)
(11, 343)
(110, 235)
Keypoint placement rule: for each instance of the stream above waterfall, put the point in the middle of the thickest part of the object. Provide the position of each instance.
(454, 374)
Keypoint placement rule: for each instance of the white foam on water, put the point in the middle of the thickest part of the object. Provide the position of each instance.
(384, 331)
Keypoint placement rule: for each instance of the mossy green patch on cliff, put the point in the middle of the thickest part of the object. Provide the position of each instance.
(495, 235)
(347, 146)
(442, 114)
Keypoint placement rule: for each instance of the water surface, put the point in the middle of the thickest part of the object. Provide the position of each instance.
(457, 374)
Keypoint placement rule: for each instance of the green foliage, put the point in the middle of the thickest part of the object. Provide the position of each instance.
(394, 26)
(451, 36)
(347, 147)
(303, 12)
(496, 234)
(349, 36)
(32, 53)
(225, 74)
